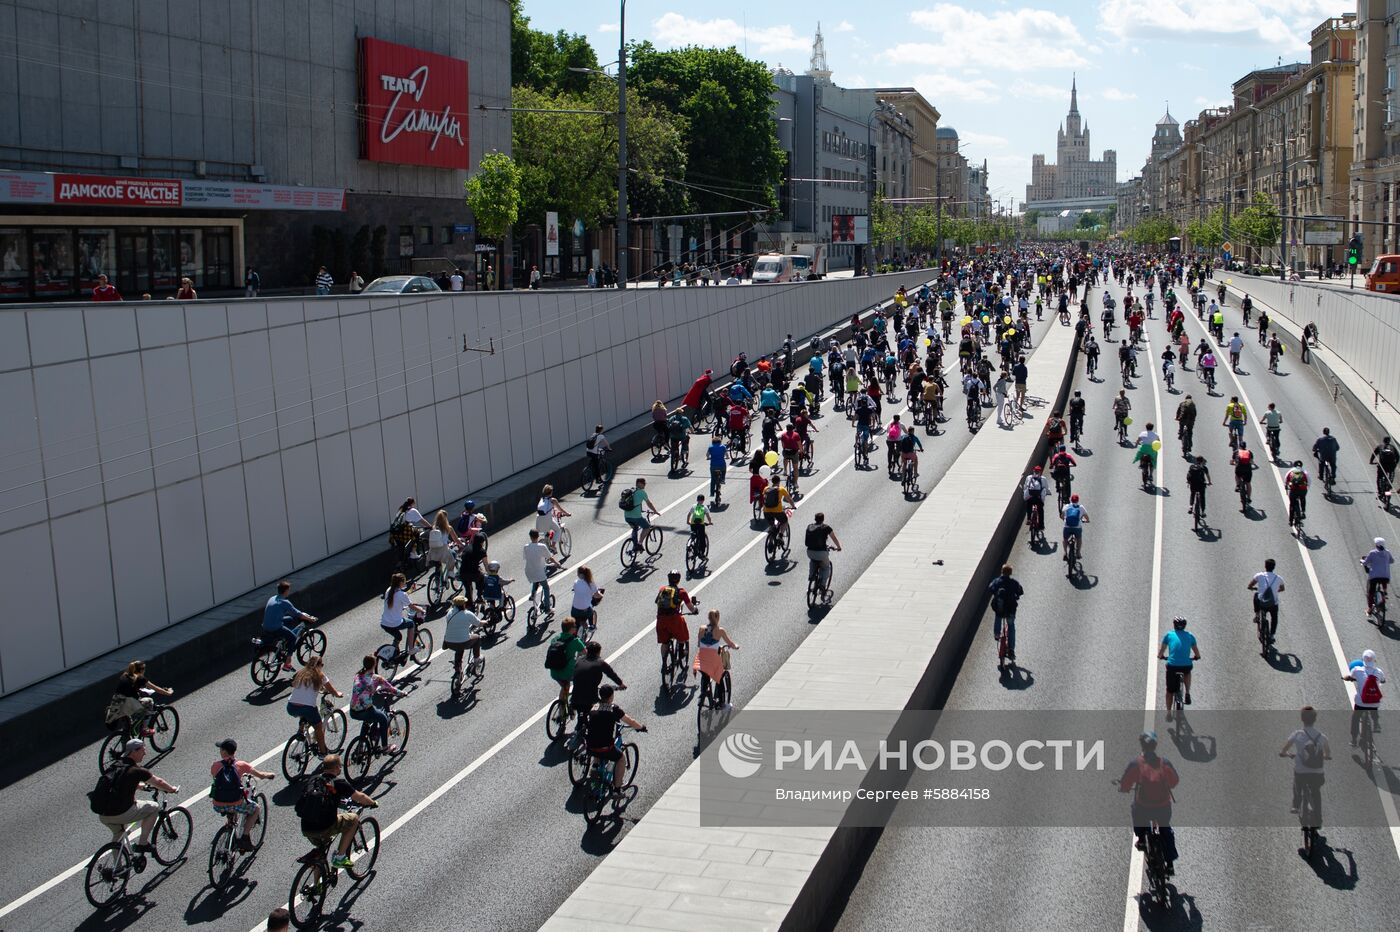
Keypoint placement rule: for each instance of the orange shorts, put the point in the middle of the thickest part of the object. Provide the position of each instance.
(671, 627)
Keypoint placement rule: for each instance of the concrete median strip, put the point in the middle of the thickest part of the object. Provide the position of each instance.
(669, 872)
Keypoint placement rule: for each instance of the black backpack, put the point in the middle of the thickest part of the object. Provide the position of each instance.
(1311, 753)
(627, 501)
(556, 657)
(105, 798)
(316, 804)
(771, 498)
(226, 788)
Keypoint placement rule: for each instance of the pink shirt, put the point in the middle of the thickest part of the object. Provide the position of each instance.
(240, 767)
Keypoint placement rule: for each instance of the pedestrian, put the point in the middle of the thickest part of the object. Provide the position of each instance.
(105, 291)
(592, 277)
(357, 284)
(490, 278)
(534, 278)
(186, 292)
(455, 280)
(252, 282)
(324, 281)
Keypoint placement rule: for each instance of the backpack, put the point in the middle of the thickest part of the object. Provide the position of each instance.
(668, 600)
(400, 533)
(1000, 600)
(104, 798)
(771, 497)
(226, 788)
(1153, 784)
(316, 804)
(557, 656)
(906, 443)
(627, 501)
(1371, 690)
(1311, 753)
(1266, 595)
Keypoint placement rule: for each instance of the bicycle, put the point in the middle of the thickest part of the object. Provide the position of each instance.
(1366, 739)
(318, 875)
(974, 413)
(473, 668)
(443, 583)
(910, 482)
(595, 478)
(650, 543)
(1035, 521)
(819, 583)
(1295, 514)
(713, 696)
(419, 652)
(364, 747)
(806, 459)
(1309, 813)
(539, 614)
(1327, 474)
(1261, 629)
(226, 858)
(1198, 509)
(675, 663)
(1073, 565)
(493, 613)
(659, 446)
(114, 864)
(1062, 493)
(1120, 424)
(162, 721)
(862, 454)
(1005, 655)
(560, 540)
(271, 653)
(1272, 434)
(1155, 862)
(1385, 481)
(1378, 600)
(697, 552)
(776, 546)
(301, 746)
(1145, 465)
(598, 789)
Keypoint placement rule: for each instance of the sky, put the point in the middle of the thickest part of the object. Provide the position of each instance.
(997, 72)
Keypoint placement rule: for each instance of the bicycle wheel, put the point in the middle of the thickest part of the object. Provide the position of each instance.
(296, 756)
(170, 839)
(335, 725)
(628, 553)
(653, 541)
(358, 758)
(556, 721)
(633, 756)
(165, 728)
(389, 660)
(422, 646)
(364, 848)
(107, 875)
(110, 749)
(578, 766)
(508, 609)
(436, 586)
(308, 895)
(259, 832)
(565, 543)
(770, 548)
(399, 726)
(600, 796)
(813, 592)
(222, 858)
(590, 479)
(312, 642)
(692, 558)
(263, 669)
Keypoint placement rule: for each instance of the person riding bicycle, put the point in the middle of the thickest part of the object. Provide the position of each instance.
(1006, 593)
(1033, 492)
(538, 563)
(670, 620)
(1267, 587)
(718, 455)
(1151, 779)
(1385, 457)
(1062, 465)
(401, 613)
(820, 539)
(548, 511)
(1055, 429)
(678, 428)
(561, 657)
(1180, 651)
(278, 615)
(790, 441)
(1168, 358)
(658, 420)
(589, 671)
(130, 703)
(595, 448)
(1075, 519)
(1076, 415)
(227, 794)
(736, 421)
(1368, 679)
(123, 778)
(320, 813)
(1121, 407)
(1197, 478)
(463, 632)
(1275, 350)
(635, 504)
(1310, 752)
(1295, 482)
(697, 519)
(600, 726)
(1324, 450)
(710, 637)
(909, 448)
(1234, 420)
(368, 686)
(1377, 563)
(739, 393)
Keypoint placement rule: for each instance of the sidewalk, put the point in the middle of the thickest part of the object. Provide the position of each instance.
(890, 643)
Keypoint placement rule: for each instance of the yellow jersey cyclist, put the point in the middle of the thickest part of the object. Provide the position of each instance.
(1235, 418)
(776, 503)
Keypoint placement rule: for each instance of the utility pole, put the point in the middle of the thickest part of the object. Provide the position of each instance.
(622, 245)
(1282, 204)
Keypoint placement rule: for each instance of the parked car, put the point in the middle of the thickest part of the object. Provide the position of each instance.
(401, 284)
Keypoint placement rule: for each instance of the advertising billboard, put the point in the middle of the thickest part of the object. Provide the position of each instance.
(413, 106)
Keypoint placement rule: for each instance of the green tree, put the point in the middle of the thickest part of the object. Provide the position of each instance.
(733, 159)
(1258, 225)
(1088, 220)
(493, 194)
(884, 222)
(541, 60)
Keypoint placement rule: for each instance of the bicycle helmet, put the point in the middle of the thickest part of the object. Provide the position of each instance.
(673, 577)
(1148, 739)
(1380, 543)
(1179, 623)
(1037, 470)
(1297, 464)
(1074, 498)
(469, 504)
(493, 567)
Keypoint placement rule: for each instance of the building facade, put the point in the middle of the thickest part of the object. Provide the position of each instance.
(1075, 179)
(1373, 202)
(151, 146)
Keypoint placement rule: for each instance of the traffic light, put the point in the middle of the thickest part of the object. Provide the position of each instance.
(1354, 250)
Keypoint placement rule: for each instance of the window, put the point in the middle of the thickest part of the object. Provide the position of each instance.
(425, 236)
(97, 255)
(53, 260)
(192, 256)
(14, 262)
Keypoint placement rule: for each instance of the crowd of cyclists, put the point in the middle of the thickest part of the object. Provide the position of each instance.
(765, 416)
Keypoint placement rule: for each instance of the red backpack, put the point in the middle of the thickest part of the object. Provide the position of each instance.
(1371, 690)
(1154, 784)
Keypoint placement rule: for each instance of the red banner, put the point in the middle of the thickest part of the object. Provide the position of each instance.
(116, 192)
(413, 106)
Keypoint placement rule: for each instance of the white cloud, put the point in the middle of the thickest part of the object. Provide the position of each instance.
(1018, 40)
(1035, 90)
(844, 26)
(1276, 22)
(1208, 103)
(608, 27)
(984, 140)
(937, 87)
(673, 30)
(1113, 93)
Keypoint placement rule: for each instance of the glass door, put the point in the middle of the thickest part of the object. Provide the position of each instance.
(133, 263)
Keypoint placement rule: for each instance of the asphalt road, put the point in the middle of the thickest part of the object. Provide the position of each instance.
(1091, 645)
(479, 828)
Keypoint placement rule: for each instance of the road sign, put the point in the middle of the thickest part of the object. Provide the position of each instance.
(1227, 248)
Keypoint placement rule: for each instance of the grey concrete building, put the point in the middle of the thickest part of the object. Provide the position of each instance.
(154, 140)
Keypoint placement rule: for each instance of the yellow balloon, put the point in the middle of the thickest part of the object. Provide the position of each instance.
(1156, 446)
(771, 457)
(966, 321)
(1006, 319)
(986, 318)
(1229, 281)
(1127, 421)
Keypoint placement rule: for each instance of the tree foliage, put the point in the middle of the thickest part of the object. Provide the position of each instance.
(1258, 225)
(493, 194)
(1152, 231)
(541, 60)
(1207, 234)
(733, 159)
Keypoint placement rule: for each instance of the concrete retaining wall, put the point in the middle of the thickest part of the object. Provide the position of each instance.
(161, 459)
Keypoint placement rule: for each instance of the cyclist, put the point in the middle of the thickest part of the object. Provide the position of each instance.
(589, 671)
(1385, 457)
(892, 435)
(1075, 519)
(492, 588)
(1151, 778)
(658, 420)
(401, 613)
(1180, 651)
(1169, 367)
(769, 429)
(1236, 346)
(910, 446)
(1325, 449)
(1295, 481)
(368, 687)
(1121, 407)
(1368, 679)
(739, 393)
(635, 504)
(227, 794)
(1275, 351)
(819, 540)
(769, 399)
(697, 519)
(538, 562)
(670, 620)
(709, 638)
(719, 461)
(561, 657)
(1061, 466)
(1055, 429)
(304, 704)
(1234, 421)
(1267, 587)
(321, 818)
(791, 443)
(596, 447)
(1006, 596)
(278, 615)
(1272, 420)
(1197, 478)
(1377, 563)
(678, 428)
(124, 777)
(776, 501)
(1185, 422)
(1091, 355)
(1311, 751)
(129, 701)
(1076, 418)
(463, 632)
(1244, 467)
(600, 733)
(1033, 492)
(1247, 306)
(1263, 328)
(548, 511)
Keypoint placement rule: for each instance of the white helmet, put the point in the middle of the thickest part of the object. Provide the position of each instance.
(1368, 657)
(1380, 543)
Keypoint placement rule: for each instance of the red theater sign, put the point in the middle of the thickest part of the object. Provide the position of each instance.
(413, 106)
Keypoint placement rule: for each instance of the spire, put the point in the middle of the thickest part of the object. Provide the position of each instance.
(817, 68)
(1074, 94)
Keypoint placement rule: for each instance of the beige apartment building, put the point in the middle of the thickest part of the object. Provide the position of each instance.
(1374, 195)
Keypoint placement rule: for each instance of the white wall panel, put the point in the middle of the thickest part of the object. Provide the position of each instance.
(388, 362)
(86, 601)
(160, 324)
(56, 335)
(267, 518)
(357, 349)
(446, 352)
(110, 329)
(327, 376)
(230, 545)
(14, 340)
(216, 414)
(252, 382)
(306, 525)
(427, 462)
(170, 405)
(498, 433)
(476, 432)
(30, 647)
(398, 459)
(418, 353)
(371, 490)
(124, 442)
(452, 450)
(73, 478)
(204, 320)
(521, 429)
(138, 567)
(291, 384)
(340, 511)
(185, 542)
